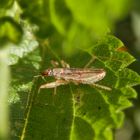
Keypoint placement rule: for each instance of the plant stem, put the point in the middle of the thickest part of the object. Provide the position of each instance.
(4, 87)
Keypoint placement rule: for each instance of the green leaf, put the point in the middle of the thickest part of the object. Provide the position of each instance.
(128, 77)
(10, 31)
(69, 32)
(110, 56)
(78, 111)
(38, 14)
(22, 82)
(27, 45)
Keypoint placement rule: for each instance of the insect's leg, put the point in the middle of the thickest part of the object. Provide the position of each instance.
(64, 64)
(54, 84)
(40, 76)
(54, 63)
(36, 76)
(90, 61)
(55, 90)
(102, 87)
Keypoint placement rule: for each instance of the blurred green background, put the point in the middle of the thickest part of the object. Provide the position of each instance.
(128, 30)
(120, 17)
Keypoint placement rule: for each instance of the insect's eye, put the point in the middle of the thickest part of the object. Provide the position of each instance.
(50, 72)
(47, 72)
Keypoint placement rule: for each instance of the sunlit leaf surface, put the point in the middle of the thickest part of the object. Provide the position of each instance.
(77, 111)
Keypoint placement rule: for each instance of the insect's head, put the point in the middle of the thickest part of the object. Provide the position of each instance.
(47, 72)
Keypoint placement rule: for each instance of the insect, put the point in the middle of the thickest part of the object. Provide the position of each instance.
(64, 76)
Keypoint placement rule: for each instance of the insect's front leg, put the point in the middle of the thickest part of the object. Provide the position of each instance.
(64, 64)
(54, 84)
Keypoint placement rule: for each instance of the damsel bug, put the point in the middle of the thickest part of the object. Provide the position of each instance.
(64, 76)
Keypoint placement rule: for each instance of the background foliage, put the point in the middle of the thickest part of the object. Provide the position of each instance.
(33, 34)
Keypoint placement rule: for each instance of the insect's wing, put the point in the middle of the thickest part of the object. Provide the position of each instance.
(84, 75)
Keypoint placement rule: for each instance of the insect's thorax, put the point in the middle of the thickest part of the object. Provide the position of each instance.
(59, 72)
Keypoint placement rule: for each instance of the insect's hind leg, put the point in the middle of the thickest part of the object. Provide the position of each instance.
(102, 87)
(90, 61)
